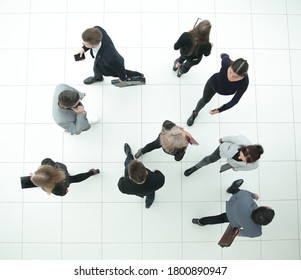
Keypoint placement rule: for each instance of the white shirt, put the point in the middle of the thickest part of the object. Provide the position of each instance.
(95, 50)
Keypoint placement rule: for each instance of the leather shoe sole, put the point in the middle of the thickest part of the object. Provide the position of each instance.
(92, 80)
(235, 185)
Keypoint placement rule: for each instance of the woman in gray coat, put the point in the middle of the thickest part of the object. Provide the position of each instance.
(238, 151)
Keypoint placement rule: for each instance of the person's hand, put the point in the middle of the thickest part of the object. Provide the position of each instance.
(220, 141)
(79, 109)
(213, 112)
(256, 196)
(81, 52)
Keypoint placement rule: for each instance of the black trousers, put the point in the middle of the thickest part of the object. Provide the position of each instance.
(212, 220)
(208, 93)
(215, 156)
(187, 63)
(218, 219)
(99, 72)
(152, 146)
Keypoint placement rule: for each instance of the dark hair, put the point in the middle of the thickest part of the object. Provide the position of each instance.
(68, 98)
(252, 152)
(137, 171)
(262, 215)
(200, 35)
(92, 36)
(240, 67)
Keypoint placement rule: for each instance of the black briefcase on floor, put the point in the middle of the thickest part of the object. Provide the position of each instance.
(134, 81)
(228, 236)
(26, 183)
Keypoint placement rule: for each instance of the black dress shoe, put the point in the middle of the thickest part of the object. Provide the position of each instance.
(190, 170)
(92, 80)
(127, 149)
(191, 119)
(234, 188)
(197, 222)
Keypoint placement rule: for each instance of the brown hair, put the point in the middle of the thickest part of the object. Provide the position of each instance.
(47, 177)
(252, 152)
(92, 36)
(137, 172)
(200, 35)
(172, 140)
(68, 98)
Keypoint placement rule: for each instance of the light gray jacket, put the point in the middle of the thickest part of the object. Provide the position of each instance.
(69, 120)
(230, 147)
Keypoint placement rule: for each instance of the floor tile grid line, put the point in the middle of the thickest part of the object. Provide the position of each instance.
(221, 190)
(296, 166)
(24, 135)
(141, 127)
(256, 108)
(184, 127)
(101, 253)
(63, 137)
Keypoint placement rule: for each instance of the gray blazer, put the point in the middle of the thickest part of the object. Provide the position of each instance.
(239, 209)
(230, 147)
(72, 122)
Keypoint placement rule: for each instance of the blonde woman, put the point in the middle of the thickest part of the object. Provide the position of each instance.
(53, 177)
(173, 140)
(192, 45)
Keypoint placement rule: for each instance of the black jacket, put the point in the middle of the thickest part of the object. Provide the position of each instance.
(60, 188)
(154, 181)
(184, 43)
(108, 60)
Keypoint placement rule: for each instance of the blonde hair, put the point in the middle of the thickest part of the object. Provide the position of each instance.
(172, 139)
(47, 177)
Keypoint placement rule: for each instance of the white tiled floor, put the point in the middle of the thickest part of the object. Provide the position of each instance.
(96, 221)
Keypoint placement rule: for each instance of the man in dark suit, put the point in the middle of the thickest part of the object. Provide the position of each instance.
(139, 180)
(108, 62)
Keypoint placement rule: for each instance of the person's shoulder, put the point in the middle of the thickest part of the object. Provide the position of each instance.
(62, 87)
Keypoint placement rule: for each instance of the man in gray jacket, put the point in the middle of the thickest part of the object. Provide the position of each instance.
(241, 212)
(68, 111)
(238, 151)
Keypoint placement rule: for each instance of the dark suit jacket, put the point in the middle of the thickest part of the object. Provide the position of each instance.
(154, 181)
(60, 189)
(108, 60)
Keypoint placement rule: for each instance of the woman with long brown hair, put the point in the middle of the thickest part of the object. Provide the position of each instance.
(192, 45)
(53, 177)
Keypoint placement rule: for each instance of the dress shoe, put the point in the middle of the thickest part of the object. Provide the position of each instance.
(149, 202)
(190, 170)
(197, 222)
(127, 149)
(139, 153)
(179, 74)
(92, 80)
(191, 119)
(235, 186)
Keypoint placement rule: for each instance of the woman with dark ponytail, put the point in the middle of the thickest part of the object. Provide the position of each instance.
(238, 151)
(232, 79)
(192, 45)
